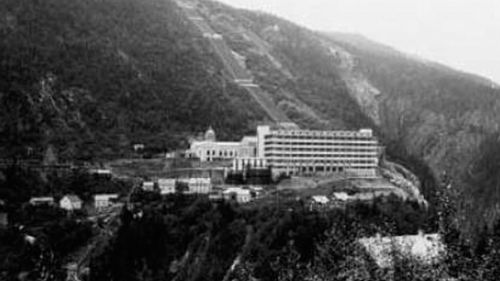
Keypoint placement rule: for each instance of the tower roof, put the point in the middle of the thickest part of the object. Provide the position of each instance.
(210, 134)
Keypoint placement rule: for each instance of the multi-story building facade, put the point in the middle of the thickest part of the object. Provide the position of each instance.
(293, 151)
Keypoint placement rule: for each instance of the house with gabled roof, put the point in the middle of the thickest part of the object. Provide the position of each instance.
(70, 203)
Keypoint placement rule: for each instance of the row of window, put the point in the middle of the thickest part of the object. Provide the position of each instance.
(221, 153)
(305, 137)
(318, 156)
(328, 163)
(299, 144)
(343, 149)
(321, 169)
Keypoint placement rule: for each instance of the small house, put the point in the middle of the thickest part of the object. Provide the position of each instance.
(104, 200)
(70, 203)
(341, 196)
(148, 186)
(199, 185)
(320, 199)
(319, 202)
(240, 195)
(166, 186)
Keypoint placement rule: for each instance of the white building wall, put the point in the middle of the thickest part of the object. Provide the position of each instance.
(208, 151)
(241, 195)
(240, 164)
(262, 131)
(67, 204)
(166, 186)
(148, 186)
(312, 152)
(103, 200)
(199, 185)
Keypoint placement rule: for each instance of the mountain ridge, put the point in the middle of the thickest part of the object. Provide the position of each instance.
(367, 43)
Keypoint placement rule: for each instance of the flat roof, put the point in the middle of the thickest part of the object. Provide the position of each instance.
(362, 133)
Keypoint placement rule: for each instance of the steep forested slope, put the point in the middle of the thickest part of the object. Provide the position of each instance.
(189, 238)
(448, 118)
(425, 113)
(292, 63)
(92, 77)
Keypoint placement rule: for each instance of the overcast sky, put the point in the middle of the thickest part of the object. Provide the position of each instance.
(464, 34)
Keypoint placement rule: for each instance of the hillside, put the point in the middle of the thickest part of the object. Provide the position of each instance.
(93, 77)
(427, 114)
(90, 78)
(450, 119)
(186, 238)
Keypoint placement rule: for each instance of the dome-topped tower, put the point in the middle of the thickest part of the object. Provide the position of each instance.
(210, 134)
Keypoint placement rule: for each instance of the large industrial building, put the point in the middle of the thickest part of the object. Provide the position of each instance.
(209, 149)
(291, 151)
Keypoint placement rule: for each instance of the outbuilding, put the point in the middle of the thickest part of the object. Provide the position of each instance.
(240, 195)
(104, 200)
(148, 186)
(40, 201)
(70, 203)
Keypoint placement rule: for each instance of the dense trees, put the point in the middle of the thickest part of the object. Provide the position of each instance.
(19, 184)
(121, 72)
(55, 235)
(442, 117)
(191, 238)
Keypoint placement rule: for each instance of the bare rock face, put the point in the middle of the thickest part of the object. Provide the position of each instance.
(359, 86)
(444, 117)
